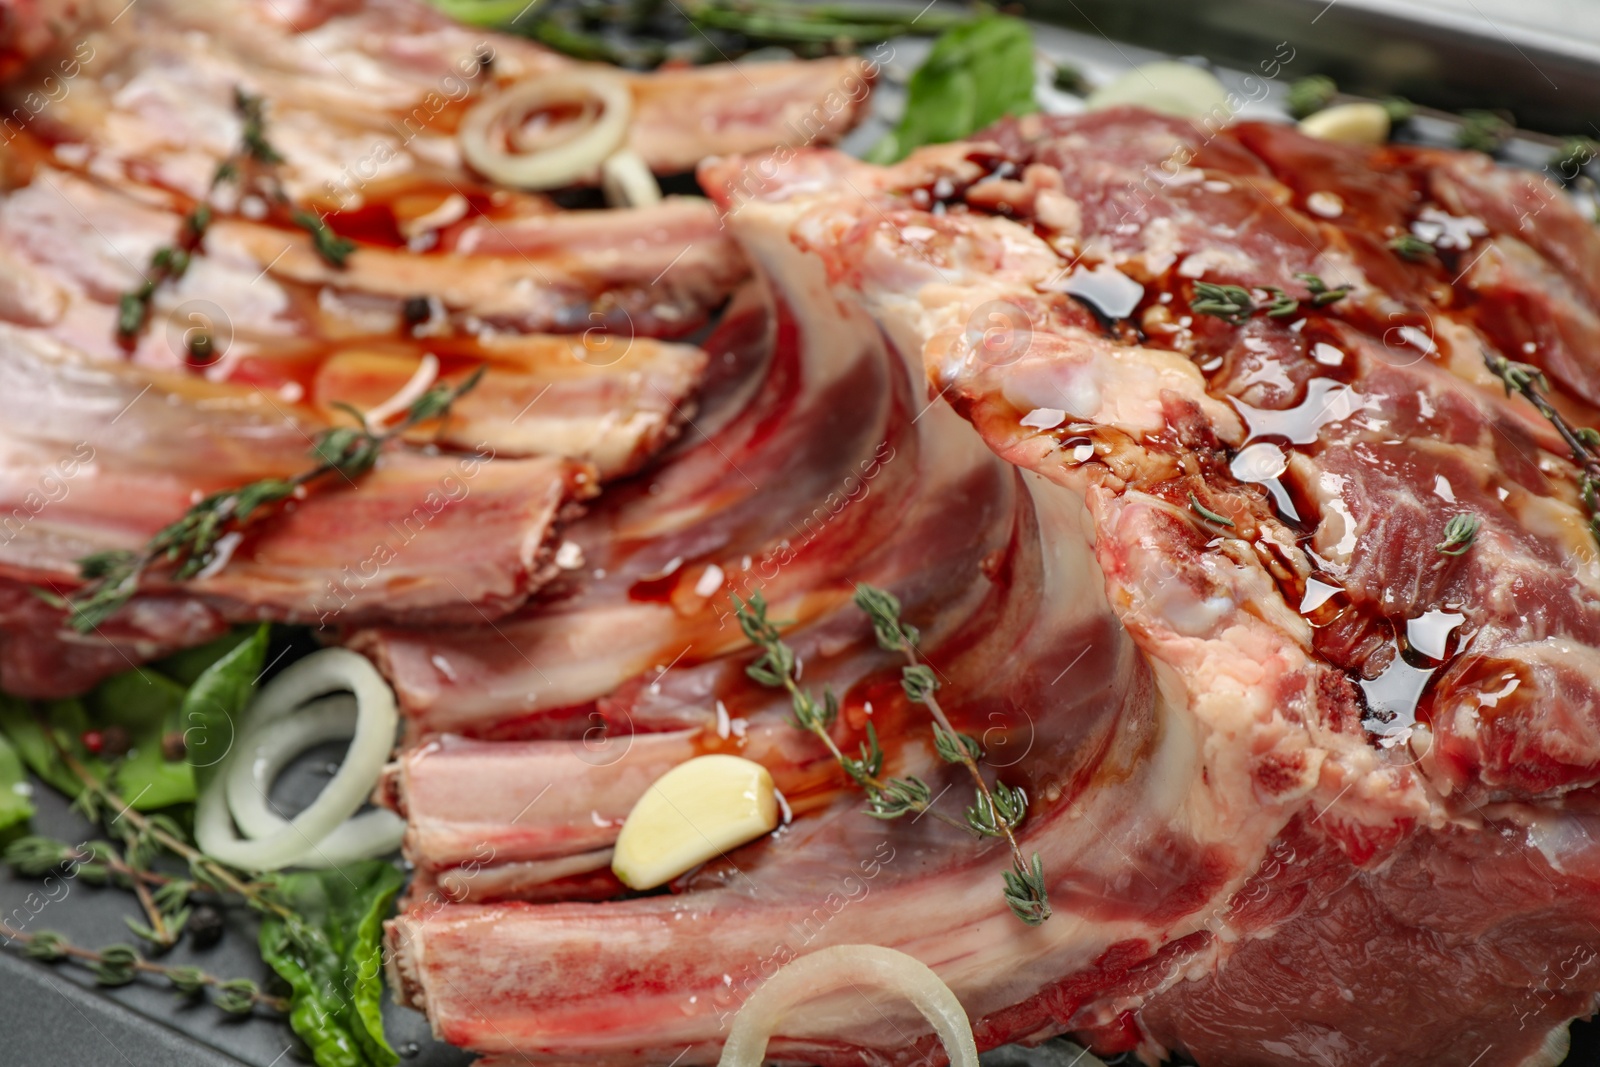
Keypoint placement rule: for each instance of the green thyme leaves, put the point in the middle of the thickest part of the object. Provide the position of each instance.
(1206, 513)
(193, 542)
(1321, 293)
(995, 811)
(1459, 534)
(1234, 304)
(1230, 303)
(1409, 246)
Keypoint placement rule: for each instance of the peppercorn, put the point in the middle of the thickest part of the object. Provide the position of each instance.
(416, 311)
(205, 926)
(173, 746)
(115, 741)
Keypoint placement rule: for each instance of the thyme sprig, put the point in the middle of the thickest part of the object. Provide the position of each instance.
(256, 148)
(1483, 131)
(1459, 533)
(1321, 294)
(1309, 95)
(1206, 513)
(1230, 303)
(995, 812)
(170, 262)
(778, 668)
(118, 965)
(194, 542)
(1409, 246)
(1584, 441)
(157, 833)
(1280, 305)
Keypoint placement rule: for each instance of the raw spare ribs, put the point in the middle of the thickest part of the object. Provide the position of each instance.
(1276, 600)
(1312, 781)
(113, 121)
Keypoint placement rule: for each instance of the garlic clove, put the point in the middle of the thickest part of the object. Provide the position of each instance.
(1349, 124)
(695, 812)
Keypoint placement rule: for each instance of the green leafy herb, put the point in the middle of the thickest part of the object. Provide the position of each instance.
(329, 245)
(16, 807)
(996, 811)
(31, 735)
(1069, 79)
(146, 705)
(482, 12)
(1399, 109)
(328, 949)
(1281, 305)
(191, 544)
(186, 666)
(168, 263)
(976, 74)
(1321, 295)
(1206, 513)
(777, 668)
(1572, 157)
(1410, 247)
(1307, 96)
(118, 965)
(783, 22)
(252, 109)
(1459, 533)
(1483, 131)
(212, 705)
(1230, 303)
(1584, 441)
(1026, 891)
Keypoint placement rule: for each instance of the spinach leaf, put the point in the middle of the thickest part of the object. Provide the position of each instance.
(15, 807)
(975, 74)
(330, 954)
(211, 708)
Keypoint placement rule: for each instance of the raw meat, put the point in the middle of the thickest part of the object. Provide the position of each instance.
(97, 457)
(1308, 790)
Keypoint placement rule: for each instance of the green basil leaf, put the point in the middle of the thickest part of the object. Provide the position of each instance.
(976, 74)
(25, 728)
(16, 807)
(212, 706)
(330, 953)
(146, 705)
(187, 666)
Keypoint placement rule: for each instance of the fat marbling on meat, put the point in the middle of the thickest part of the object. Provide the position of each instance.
(1307, 788)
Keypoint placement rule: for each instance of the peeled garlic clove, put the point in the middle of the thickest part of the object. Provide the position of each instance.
(1349, 124)
(1170, 88)
(693, 813)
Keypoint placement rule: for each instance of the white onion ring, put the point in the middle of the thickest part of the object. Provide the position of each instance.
(626, 180)
(838, 966)
(328, 671)
(575, 159)
(269, 747)
(421, 380)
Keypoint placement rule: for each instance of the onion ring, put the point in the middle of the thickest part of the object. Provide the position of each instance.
(269, 747)
(831, 968)
(626, 180)
(328, 671)
(578, 158)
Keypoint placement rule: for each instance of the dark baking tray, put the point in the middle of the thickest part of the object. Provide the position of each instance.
(55, 1017)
